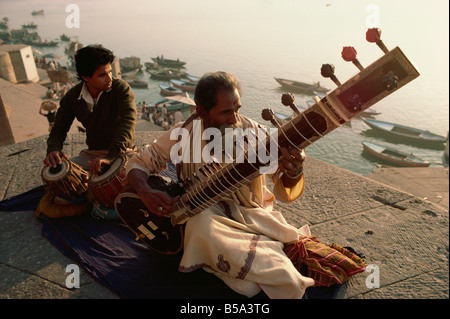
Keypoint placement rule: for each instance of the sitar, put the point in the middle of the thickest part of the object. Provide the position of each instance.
(164, 234)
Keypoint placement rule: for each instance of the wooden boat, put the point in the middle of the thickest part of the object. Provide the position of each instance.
(183, 85)
(169, 62)
(171, 105)
(64, 37)
(152, 66)
(393, 156)
(301, 87)
(130, 63)
(130, 74)
(37, 12)
(169, 90)
(192, 78)
(137, 83)
(29, 25)
(405, 132)
(165, 75)
(46, 43)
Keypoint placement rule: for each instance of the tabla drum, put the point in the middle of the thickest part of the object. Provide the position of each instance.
(66, 180)
(106, 186)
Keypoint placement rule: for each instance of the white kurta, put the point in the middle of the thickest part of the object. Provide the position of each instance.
(240, 239)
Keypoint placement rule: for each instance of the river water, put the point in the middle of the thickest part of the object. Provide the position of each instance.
(258, 40)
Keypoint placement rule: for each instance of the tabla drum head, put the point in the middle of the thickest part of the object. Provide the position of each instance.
(111, 170)
(56, 173)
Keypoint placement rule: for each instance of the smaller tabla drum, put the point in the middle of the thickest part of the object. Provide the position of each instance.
(105, 187)
(66, 180)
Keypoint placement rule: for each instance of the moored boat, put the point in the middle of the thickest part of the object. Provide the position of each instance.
(137, 83)
(183, 85)
(64, 37)
(169, 62)
(171, 105)
(169, 90)
(301, 87)
(405, 132)
(45, 43)
(130, 74)
(31, 25)
(37, 12)
(192, 78)
(165, 75)
(130, 63)
(393, 156)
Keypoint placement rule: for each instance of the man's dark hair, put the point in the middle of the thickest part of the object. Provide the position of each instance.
(89, 58)
(208, 86)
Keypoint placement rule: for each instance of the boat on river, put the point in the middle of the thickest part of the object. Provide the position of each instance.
(131, 63)
(31, 25)
(394, 156)
(183, 85)
(169, 90)
(171, 105)
(301, 87)
(37, 12)
(169, 62)
(135, 83)
(166, 75)
(405, 132)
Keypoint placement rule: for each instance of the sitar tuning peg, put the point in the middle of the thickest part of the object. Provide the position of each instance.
(327, 71)
(268, 115)
(349, 55)
(373, 35)
(287, 99)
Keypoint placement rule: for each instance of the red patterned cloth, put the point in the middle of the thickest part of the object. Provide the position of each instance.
(326, 264)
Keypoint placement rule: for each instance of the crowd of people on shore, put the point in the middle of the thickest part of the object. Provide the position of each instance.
(159, 115)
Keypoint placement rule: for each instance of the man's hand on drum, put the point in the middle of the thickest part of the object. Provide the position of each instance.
(96, 165)
(54, 158)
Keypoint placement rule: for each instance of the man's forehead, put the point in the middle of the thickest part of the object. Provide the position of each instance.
(229, 96)
(104, 68)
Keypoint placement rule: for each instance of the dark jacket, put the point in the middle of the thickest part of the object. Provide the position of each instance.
(111, 125)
